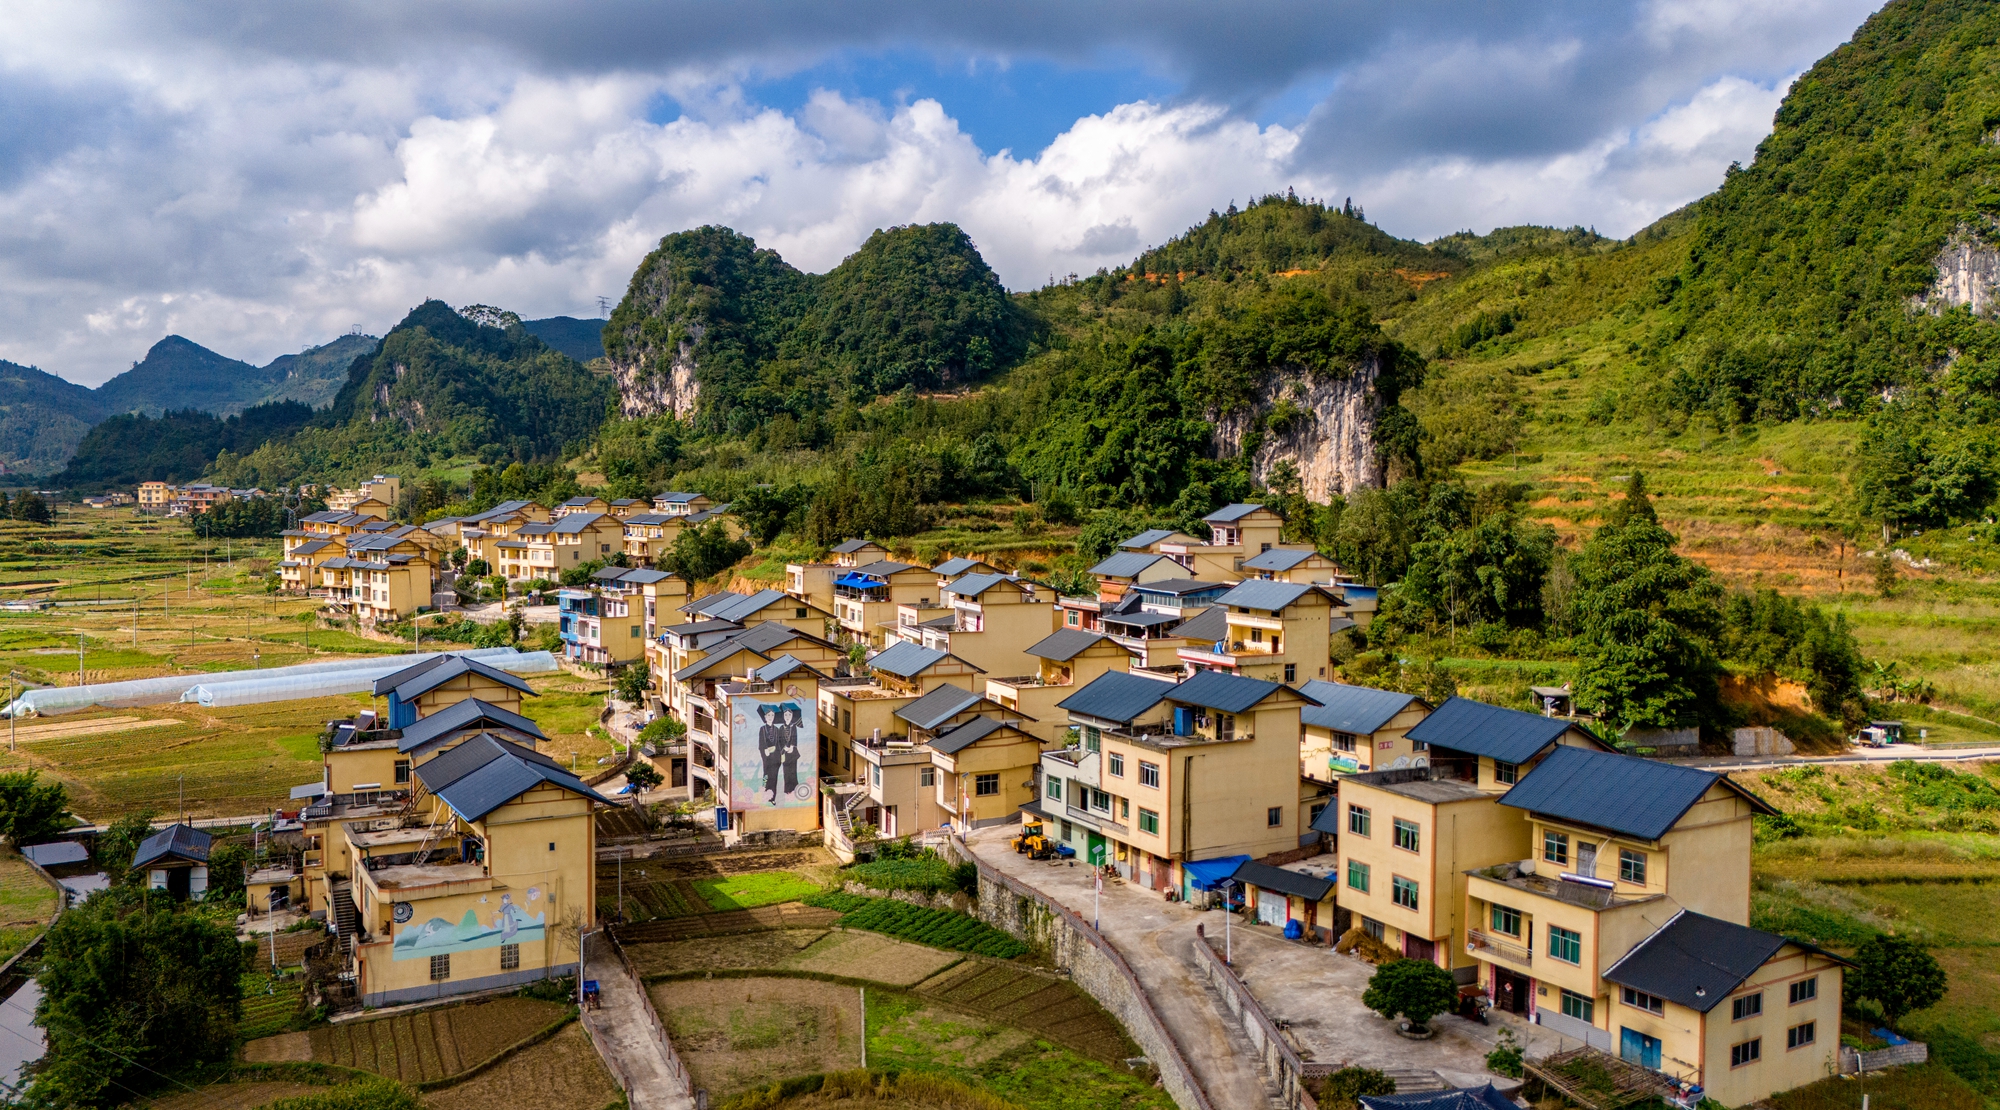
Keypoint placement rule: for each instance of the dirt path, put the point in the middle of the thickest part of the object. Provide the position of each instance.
(622, 1029)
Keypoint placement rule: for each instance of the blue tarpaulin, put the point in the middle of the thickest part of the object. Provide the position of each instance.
(1204, 874)
(857, 581)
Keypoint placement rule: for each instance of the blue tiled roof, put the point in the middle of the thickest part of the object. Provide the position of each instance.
(1267, 596)
(1126, 564)
(1116, 696)
(782, 666)
(1356, 709)
(460, 716)
(485, 773)
(413, 682)
(1230, 513)
(967, 734)
(1278, 559)
(1508, 735)
(741, 607)
(905, 659)
(1225, 693)
(183, 841)
(1064, 644)
(1695, 960)
(1458, 1098)
(1620, 793)
(1265, 877)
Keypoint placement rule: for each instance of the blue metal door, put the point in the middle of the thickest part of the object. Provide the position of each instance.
(1635, 1047)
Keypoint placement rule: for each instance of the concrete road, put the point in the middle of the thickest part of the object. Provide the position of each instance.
(623, 1034)
(1917, 752)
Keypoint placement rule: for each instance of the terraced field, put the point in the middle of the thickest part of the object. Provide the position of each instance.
(667, 889)
(433, 1044)
(1051, 1007)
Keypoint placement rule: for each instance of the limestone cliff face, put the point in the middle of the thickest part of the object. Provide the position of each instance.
(659, 382)
(1324, 424)
(1968, 274)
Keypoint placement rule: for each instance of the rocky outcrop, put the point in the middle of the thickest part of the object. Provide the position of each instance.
(663, 384)
(1323, 423)
(1968, 272)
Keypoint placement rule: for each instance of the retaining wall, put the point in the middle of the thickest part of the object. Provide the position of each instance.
(1277, 1056)
(1851, 1061)
(1091, 963)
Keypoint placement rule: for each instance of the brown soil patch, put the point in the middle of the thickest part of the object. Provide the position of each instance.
(788, 915)
(735, 1034)
(736, 863)
(1421, 278)
(561, 1073)
(432, 1044)
(231, 1096)
(857, 954)
(285, 1048)
(1054, 1008)
(746, 951)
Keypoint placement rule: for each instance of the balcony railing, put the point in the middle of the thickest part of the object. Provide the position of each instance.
(1500, 946)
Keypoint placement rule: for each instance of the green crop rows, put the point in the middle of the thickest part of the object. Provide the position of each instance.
(945, 929)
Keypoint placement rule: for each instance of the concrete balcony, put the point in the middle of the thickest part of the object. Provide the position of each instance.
(1492, 946)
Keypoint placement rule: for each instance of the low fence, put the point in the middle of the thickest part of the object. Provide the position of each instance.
(1072, 945)
(677, 1073)
(1853, 1060)
(1280, 1060)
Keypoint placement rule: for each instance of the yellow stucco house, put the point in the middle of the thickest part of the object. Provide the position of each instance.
(1357, 728)
(1065, 661)
(1277, 631)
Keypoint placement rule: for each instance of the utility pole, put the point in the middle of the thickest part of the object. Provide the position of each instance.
(79, 659)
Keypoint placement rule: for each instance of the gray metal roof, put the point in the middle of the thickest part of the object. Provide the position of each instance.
(939, 706)
(707, 604)
(1210, 624)
(676, 496)
(1146, 539)
(177, 840)
(486, 772)
(1145, 618)
(1064, 644)
(1695, 960)
(642, 576)
(883, 568)
(1127, 564)
(1266, 595)
(1357, 709)
(717, 660)
(413, 682)
(1508, 735)
(1279, 559)
(1617, 792)
(952, 568)
(967, 734)
(782, 666)
(972, 585)
(652, 518)
(1225, 693)
(743, 606)
(852, 546)
(1231, 513)
(905, 660)
(764, 636)
(458, 717)
(1180, 587)
(578, 522)
(56, 854)
(1116, 696)
(1328, 820)
(1266, 877)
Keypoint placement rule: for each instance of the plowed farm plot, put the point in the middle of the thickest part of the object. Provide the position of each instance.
(1053, 1008)
(561, 1073)
(433, 1044)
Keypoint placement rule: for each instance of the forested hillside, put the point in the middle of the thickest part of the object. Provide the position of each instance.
(42, 419)
(130, 448)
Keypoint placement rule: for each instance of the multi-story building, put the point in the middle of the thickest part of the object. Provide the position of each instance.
(1115, 578)
(866, 599)
(1357, 728)
(650, 536)
(478, 532)
(1065, 661)
(764, 605)
(377, 588)
(1277, 631)
(601, 624)
(1152, 539)
(383, 489)
(814, 581)
(155, 497)
(198, 497)
(754, 723)
(680, 503)
(1293, 564)
(1236, 533)
(988, 620)
(584, 504)
(861, 708)
(440, 682)
(1164, 775)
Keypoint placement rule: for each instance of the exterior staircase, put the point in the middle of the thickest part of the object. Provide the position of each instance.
(1415, 1080)
(346, 920)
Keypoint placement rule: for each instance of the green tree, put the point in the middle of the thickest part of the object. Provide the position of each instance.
(704, 551)
(30, 507)
(643, 776)
(1492, 572)
(1898, 974)
(633, 681)
(663, 731)
(226, 864)
(768, 510)
(32, 810)
(133, 986)
(1417, 989)
(119, 842)
(1344, 1089)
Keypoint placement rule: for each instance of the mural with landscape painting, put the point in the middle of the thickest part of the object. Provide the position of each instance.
(774, 750)
(490, 923)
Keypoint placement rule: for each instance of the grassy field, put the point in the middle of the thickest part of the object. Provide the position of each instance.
(667, 889)
(26, 903)
(561, 1073)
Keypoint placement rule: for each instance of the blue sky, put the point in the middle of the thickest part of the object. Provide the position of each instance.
(260, 178)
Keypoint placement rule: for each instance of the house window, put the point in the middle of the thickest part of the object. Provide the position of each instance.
(1149, 774)
(1749, 1052)
(927, 776)
(1403, 892)
(510, 957)
(1092, 738)
(1117, 764)
(440, 967)
(1372, 927)
(402, 771)
(875, 773)
(1312, 817)
(985, 786)
(1504, 772)
(1577, 1006)
(1748, 1006)
(1407, 836)
(1507, 920)
(1640, 1000)
(1149, 822)
(1799, 1036)
(1632, 866)
(1055, 789)
(1565, 945)
(1555, 847)
(1099, 800)
(799, 614)
(1358, 820)
(1344, 741)
(1805, 990)
(1274, 817)
(1124, 809)
(1291, 672)
(1357, 876)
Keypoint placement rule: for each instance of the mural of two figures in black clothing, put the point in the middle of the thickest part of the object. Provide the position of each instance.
(774, 747)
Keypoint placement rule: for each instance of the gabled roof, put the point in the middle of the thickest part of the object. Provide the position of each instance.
(883, 568)
(504, 508)
(967, 734)
(1116, 696)
(577, 502)
(57, 853)
(1266, 877)
(310, 546)
(784, 665)
(1146, 618)
(741, 606)
(1616, 792)
(1146, 539)
(1231, 513)
(939, 706)
(852, 546)
(642, 576)
(972, 585)
(650, 518)
(1064, 644)
(698, 628)
(486, 772)
(1268, 596)
(580, 522)
(1179, 587)
(1696, 960)
(1224, 693)
(952, 568)
(458, 717)
(1211, 623)
(1279, 559)
(906, 660)
(1508, 735)
(1127, 564)
(1458, 1098)
(710, 514)
(770, 634)
(178, 840)
(1356, 709)
(706, 604)
(716, 661)
(411, 683)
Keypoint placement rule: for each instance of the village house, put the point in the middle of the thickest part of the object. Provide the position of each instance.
(1152, 539)
(814, 581)
(197, 498)
(1164, 776)
(650, 536)
(175, 860)
(757, 608)
(1236, 533)
(899, 773)
(1065, 661)
(603, 623)
(858, 711)
(584, 504)
(421, 689)
(154, 497)
(988, 620)
(479, 532)
(765, 774)
(1293, 564)
(1357, 728)
(867, 598)
(1281, 895)
(678, 503)
(383, 489)
(1115, 578)
(1277, 631)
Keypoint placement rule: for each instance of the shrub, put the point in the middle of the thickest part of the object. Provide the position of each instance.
(1417, 989)
(368, 1094)
(1343, 1089)
(1898, 974)
(926, 875)
(1506, 1058)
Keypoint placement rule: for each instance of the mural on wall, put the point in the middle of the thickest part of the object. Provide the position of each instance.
(774, 751)
(506, 922)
